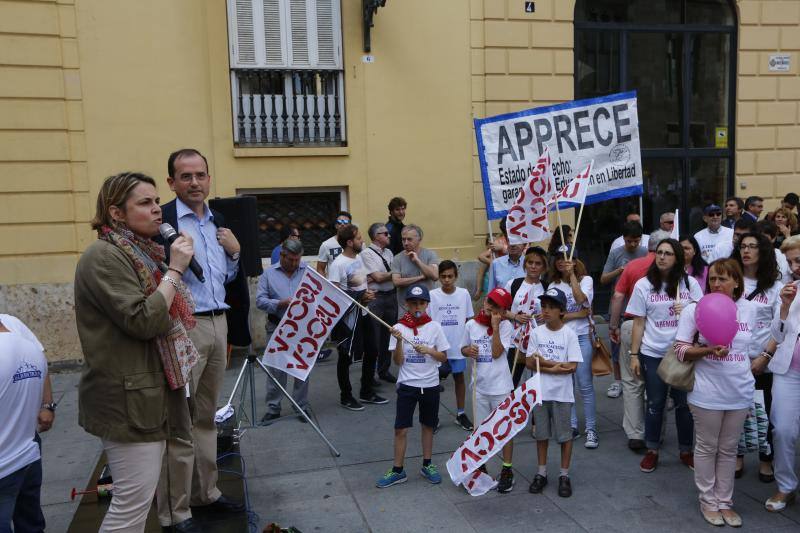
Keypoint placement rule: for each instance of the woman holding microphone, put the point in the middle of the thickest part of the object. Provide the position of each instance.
(132, 313)
(655, 309)
(722, 394)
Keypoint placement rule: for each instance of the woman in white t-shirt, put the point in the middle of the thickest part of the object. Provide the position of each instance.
(656, 311)
(762, 286)
(570, 277)
(722, 394)
(526, 309)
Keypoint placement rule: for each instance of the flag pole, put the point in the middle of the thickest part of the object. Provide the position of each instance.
(561, 230)
(364, 308)
(475, 421)
(577, 227)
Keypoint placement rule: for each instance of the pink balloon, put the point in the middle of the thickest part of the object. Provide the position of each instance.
(715, 316)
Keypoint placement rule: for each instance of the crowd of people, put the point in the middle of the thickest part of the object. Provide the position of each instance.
(154, 321)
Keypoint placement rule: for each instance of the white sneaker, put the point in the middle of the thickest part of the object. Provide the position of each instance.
(614, 390)
(591, 439)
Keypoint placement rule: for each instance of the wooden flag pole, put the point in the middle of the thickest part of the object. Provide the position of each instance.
(561, 230)
(475, 420)
(577, 227)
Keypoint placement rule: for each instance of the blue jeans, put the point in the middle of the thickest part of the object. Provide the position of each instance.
(19, 500)
(583, 379)
(656, 400)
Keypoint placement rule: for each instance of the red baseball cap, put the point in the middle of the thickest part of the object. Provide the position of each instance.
(501, 297)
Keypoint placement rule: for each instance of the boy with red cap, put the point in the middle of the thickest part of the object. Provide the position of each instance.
(487, 338)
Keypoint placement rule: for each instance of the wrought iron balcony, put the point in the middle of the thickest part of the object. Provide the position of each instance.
(288, 108)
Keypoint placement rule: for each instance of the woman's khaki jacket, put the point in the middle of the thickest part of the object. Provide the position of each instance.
(123, 394)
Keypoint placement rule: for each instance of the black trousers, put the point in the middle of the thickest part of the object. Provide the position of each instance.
(352, 349)
(377, 341)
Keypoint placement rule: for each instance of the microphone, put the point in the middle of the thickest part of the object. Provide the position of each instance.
(169, 234)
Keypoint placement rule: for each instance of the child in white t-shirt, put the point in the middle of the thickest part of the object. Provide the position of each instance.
(451, 307)
(487, 339)
(418, 347)
(558, 352)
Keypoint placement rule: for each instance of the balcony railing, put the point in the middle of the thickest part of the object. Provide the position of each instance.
(288, 108)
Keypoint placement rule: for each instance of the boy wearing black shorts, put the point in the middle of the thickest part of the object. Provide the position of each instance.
(417, 382)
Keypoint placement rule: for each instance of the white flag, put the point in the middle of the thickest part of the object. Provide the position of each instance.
(527, 218)
(574, 193)
(675, 228)
(315, 308)
(508, 419)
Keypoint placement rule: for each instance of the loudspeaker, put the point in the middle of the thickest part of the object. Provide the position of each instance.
(240, 215)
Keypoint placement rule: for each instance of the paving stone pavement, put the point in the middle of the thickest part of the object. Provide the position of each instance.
(293, 479)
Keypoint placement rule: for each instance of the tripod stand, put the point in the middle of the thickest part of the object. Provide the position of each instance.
(250, 362)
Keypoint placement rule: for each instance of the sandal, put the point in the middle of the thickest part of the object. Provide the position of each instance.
(778, 501)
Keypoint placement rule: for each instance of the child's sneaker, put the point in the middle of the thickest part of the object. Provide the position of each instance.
(506, 480)
(538, 484)
(391, 478)
(431, 473)
(591, 439)
(464, 422)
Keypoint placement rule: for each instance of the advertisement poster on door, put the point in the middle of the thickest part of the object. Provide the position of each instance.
(604, 129)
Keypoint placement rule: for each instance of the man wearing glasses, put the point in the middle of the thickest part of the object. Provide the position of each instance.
(377, 259)
(667, 221)
(330, 249)
(714, 232)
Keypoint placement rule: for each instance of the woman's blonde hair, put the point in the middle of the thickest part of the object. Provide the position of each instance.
(790, 217)
(115, 191)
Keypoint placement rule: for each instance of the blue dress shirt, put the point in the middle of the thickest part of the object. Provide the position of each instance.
(502, 270)
(218, 268)
(274, 285)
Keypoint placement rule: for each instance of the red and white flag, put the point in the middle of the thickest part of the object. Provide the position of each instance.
(502, 424)
(675, 228)
(527, 218)
(574, 193)
(317, 305)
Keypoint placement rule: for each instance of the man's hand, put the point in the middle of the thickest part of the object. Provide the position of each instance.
(368, 296)
(45, 419)
(285, 302)
(228, 241)
(636, 367)
(613, 334)
(412, 256)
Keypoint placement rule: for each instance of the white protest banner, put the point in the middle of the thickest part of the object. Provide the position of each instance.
(605, 129)
(502, 424)
(527, 218)
(315, 308)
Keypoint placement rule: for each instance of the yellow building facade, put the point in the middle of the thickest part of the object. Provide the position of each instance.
(89, 88)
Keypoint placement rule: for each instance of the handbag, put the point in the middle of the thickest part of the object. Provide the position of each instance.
(676, 373)
(601, 356)
(754, 435)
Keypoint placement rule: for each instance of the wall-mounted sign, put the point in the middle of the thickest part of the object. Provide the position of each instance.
(530, 7)
(720, 137)
(780, 62)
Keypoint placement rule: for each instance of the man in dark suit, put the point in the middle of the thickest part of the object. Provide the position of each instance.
(189, 472)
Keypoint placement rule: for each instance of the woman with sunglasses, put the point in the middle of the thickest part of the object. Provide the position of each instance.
(722, 394)
(655, 309)
(762, 286)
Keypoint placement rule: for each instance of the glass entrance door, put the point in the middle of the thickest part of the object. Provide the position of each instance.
(681, 64)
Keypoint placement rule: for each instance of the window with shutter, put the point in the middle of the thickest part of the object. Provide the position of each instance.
(287, 76)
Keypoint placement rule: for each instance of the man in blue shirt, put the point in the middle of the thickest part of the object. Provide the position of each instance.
(276, 286)
(189, 473)
(507, 267)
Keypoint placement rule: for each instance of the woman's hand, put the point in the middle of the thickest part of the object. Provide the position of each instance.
(788, 293)
(677, 307)
(717, 351)
(569, 271)
(181, 252)
(758, 365)
(787, 232)
(636, 367)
